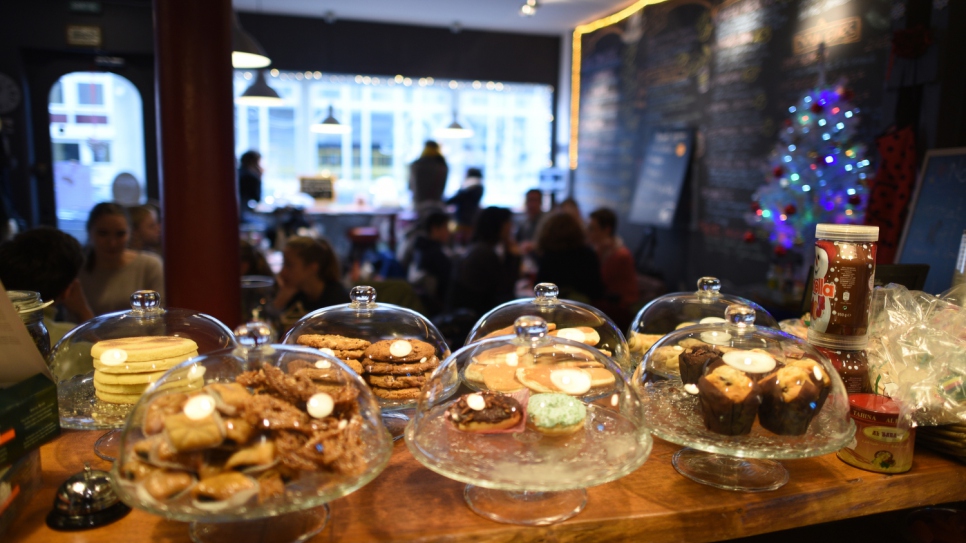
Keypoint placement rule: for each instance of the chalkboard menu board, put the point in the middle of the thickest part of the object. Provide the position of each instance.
(662, 176)
(728, 69)
(937, 218)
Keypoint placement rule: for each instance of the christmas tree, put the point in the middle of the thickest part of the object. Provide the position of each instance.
(817, 172)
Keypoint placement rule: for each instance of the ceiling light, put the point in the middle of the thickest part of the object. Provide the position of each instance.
(454, 131)
(245, 51)
(330, 125)
(529, 8)
(260, 94)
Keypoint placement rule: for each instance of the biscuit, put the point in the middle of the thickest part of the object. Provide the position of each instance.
(143, 367)
(402, 369)
(396, 393)
(332, 341)
(354, 365)
(474, 372)
(345, 355)
(397, 381)
(138, 389)
(139, 378)
(501, 378)
(505, 354)
(509, 331)
(580, 334)
(145, 348)
(399, 351)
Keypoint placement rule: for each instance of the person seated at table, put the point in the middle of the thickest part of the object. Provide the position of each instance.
(252, 260)
(432, 267)
(570, 205)
(533, 212)
(249, 180)
(310, 279)
(47, 261)
(487, 275)
(113, 271)
(467, 204)
(617, 267)
(145, 229)
(565, 259)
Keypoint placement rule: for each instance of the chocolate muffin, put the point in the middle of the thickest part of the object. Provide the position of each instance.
(729, 400)
(790, 398)
(693, 360)
(485, 412)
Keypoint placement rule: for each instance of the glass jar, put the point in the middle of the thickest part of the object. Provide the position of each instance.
(843, 279)
(31, 309)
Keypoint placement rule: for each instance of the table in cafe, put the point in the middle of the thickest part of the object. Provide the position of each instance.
(408, 502)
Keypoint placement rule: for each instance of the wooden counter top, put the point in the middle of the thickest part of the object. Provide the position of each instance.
(408, 502)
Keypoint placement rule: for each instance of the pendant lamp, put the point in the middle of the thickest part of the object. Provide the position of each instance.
(245, 51)
(260, 94)
(330, 125)
(455, 130)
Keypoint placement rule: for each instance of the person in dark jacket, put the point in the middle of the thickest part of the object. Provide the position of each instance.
(487, 275)
(427, 179)
(432, 267)
(250, 180)
(467, 203)
(565, 259)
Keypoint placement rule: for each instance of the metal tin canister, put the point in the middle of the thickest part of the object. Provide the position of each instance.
(879, 444)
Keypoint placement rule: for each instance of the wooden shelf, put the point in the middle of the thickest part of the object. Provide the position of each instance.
(408, 502)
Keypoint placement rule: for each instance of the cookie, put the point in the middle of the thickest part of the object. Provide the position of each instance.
(139, 389)
(396, 393)
(143, 367)
(510, 355)
(144, 378)
(145, 348)
(401, 369)
(501, 378)
(509, 331)
(399, 351)
(580, 334)
(332, 341)
(474, 372)
(354, 365)
(397, 381)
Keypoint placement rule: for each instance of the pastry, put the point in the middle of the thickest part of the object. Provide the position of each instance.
(474, 372)
(163, 484)
(401, 369)
(666, 358)
(555, 414)
(501, 378)
(511, 355)
(399, 351)
(640, 343)
(141, 349)
(818, 375)
(189, 434)
(397, 381)
(580, 334)
(692, 362)
(789, 401)
(230, 488)
(729, 401)
(143, 367)
(485, 412)
(333, 342)
(509, 331)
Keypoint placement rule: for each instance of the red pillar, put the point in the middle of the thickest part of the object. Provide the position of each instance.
(193, 71)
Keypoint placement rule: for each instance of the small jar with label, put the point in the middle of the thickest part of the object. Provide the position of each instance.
(31, 309)
(882, 443)
(847, 354)
(842, 280)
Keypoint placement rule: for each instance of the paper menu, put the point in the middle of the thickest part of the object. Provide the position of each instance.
(19, 357)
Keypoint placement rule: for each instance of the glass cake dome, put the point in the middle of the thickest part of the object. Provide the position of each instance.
(536, 420)
(104, 365)
(394, 349)
(741, 390)
(679, 309)
(274, 432)
(565, 318)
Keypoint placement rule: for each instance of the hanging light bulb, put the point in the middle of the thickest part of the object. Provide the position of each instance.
(455, 130)
(330, 125)
(245, 51)
(529, 8)
(260, 94)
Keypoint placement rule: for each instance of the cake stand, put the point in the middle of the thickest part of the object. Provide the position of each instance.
(748, 462)
(523, 476)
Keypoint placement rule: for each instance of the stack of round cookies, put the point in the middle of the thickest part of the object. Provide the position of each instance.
(124, 368)
(348, 349)
(397, 368)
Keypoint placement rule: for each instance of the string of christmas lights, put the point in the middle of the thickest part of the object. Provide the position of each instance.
(817, 171)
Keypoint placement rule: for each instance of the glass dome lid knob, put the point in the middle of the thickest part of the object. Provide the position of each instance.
(146, 301)
(709, 287)
(739, 315)
(253, 334)
(546, 293)
(530, 328)
(362, 295)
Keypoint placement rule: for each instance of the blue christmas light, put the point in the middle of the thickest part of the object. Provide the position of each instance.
(787, 158)
(806, 188)
(792, 109)
(821, 122)
(848, 167)
(795, 177)
(848, 114)
(791, 148)
(840, 126)
(850, 192)
(826, 137)
(766, 214)
(808, 99)
(829, 160)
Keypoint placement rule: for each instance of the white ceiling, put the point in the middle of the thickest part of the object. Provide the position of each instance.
(552, 16)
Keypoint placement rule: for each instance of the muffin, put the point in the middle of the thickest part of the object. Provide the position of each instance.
(790, 398)
(693, 360)
(819, 376)
(729, 400)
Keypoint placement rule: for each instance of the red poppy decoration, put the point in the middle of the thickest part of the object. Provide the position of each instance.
(855, 200)
(749, 237)
(816, 107)
(778, 171)
(848, 95)
(755, 206)
(790, 209)
(787, 122)
(780, 250)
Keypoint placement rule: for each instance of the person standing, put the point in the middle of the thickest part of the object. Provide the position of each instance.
(467, 203)
(250, 180)
(427, 179)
